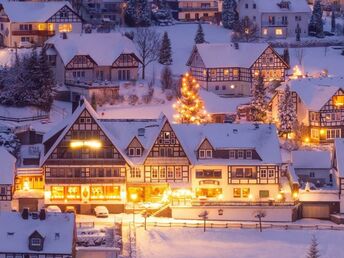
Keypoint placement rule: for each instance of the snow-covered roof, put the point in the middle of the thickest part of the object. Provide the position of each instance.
(103, 48)
(231, 136)
(27, 11)
(15, 232)
(311, 159)
(7, 167)
(339, 152)
(221, 55)
(315, 92)
(272, 6)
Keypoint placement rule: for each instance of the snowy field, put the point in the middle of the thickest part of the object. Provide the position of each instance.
(189, 243)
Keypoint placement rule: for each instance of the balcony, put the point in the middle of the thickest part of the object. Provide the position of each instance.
(83, 180)
(40, 33)
(93, 84)
(198, 9)
(274, 24)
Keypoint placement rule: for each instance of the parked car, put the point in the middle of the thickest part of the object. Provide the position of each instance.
(53, 208)
(101, 212)
(25, 44)
(70, 209)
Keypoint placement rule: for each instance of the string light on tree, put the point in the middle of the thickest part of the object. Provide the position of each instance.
(189, 106)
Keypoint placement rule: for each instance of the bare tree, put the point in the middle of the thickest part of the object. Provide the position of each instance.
(148, 43)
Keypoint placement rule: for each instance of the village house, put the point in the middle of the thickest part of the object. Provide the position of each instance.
(7, 172)
(194, 10)
(233, 74)
(93, 63)
(90, 161)
(319, 104)
(277, 18)
(24, 24)
(313, 167)
(33, 234)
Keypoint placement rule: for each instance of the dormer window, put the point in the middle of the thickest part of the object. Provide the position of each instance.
(248, 154)
(205, 154)
(36, 242)
(232, 154)
(240, 154)
(134, 152)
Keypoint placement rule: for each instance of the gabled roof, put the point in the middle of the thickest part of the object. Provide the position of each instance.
(103, 48)
(221, 55)
(315, 92)
(311, 159)
(339, 152)
(7, 167)
(231, 136)
(271, 6)
(15, 232)
(84, 106)
(27, 11)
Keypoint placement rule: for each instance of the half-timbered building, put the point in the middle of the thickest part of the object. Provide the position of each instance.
(25, 24)
(319, 105)
(278, 18)
(229, 69)
(93, 63)
(7, 173)
(37, 234)
(82, 165)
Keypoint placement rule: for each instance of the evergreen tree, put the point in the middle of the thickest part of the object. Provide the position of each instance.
(316, 25)
(286, 56)
(165, 55)
(229, 14)
(313, 251)
(298, 32)
(199, 38)
(258, 103)
(245, 30)
(47, 81)
(138, 13)
(189, 106)
(94, 101)
(286, 112)
(333, 21)
(166, 78)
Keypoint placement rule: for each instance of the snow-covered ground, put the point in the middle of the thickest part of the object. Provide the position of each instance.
(234, 243)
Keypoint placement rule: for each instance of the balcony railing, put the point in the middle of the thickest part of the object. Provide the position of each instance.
(248, 203)
(83, 180)
(198, 9)
(42, 33)
(274, 24)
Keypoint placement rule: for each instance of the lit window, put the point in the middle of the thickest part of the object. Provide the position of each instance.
(236, 192)
(279, 32)
(97, 192)
(226, 72)
(271, 173)
(265, 31)
(235, 72)
(57, 192)
(314, 133)
(135, 173)
(73, 192)
(338, 101)
(65, 27)
(245, 192)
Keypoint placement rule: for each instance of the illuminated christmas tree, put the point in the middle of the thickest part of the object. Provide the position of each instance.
(189, 106)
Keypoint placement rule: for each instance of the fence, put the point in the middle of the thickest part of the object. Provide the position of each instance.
(243, 225)
(24, 119)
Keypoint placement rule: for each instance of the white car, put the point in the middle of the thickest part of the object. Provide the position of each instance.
(25, 44)
(101, 212)
(53, 208)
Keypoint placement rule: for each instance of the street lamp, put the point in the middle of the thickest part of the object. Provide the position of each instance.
(133, 197)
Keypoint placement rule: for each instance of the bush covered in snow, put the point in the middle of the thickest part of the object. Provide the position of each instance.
(9, 141)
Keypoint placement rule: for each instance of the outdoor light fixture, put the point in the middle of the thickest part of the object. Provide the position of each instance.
(92, 144)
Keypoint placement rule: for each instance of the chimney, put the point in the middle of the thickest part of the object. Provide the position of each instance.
(25, 213)
(141, 131)
(42, 214)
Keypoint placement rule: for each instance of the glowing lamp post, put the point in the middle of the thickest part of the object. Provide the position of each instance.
(133, 197)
